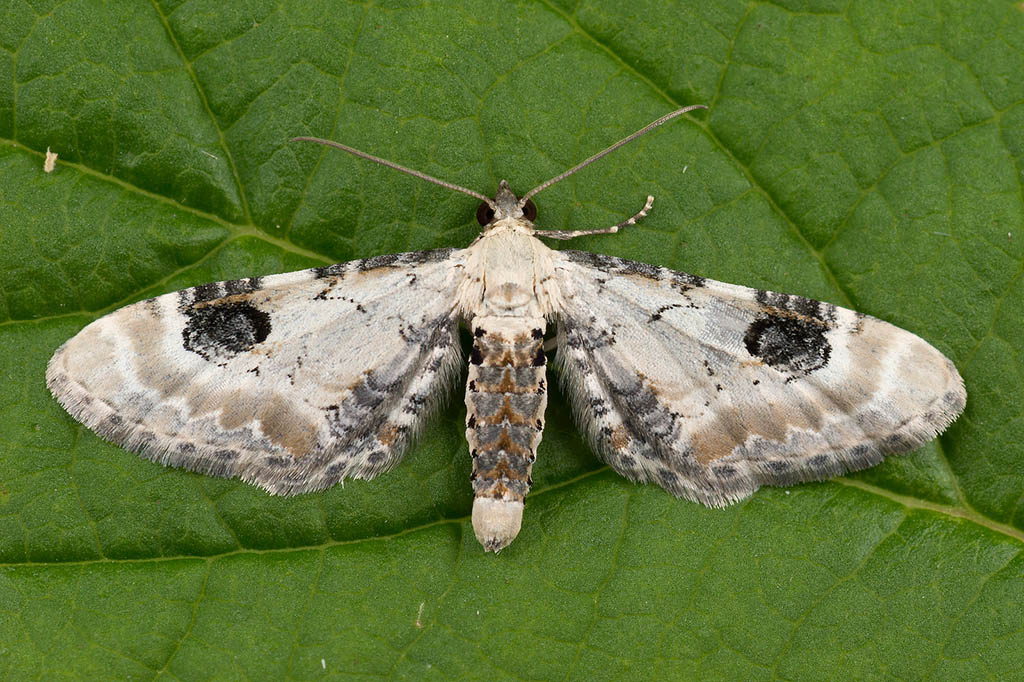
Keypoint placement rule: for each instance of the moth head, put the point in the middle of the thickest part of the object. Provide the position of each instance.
(505, 205)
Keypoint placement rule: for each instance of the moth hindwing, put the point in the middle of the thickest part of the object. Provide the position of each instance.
(294, 382)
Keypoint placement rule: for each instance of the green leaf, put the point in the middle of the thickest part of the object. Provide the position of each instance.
(867, 153)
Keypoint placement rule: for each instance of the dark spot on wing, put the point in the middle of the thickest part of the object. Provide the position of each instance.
(242, 286)
(378, 261)
(663, 309)
(725, 470)
(799, 305)
(586, 336)
(324, 271)
(788, 343)
(386, 260)
(819, 461)
(684, 281)
(205, 292)
(220, 332)
(632, 267)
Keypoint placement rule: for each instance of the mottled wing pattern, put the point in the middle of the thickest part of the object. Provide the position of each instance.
(712, 390)
(291, 382)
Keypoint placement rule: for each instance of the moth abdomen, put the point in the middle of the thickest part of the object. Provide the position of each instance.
(505, 405)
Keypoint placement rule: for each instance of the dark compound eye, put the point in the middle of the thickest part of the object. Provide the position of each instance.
(484, 214)
(530, 210)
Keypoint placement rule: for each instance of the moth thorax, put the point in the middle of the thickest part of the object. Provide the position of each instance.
(505, 400)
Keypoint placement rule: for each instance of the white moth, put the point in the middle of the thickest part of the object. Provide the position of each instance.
(294, 382)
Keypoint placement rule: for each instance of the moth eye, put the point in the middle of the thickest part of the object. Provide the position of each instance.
(484, 214)
(530, 210)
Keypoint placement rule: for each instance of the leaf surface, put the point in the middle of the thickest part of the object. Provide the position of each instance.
(866, 153)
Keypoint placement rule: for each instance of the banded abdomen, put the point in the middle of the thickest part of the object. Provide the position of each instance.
(505, 400)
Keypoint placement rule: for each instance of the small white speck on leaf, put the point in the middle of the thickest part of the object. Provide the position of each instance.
(50, 162)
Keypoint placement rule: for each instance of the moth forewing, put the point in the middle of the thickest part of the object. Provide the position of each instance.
(294, 382)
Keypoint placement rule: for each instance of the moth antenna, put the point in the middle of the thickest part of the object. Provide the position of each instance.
(583, 164)
(392, 164)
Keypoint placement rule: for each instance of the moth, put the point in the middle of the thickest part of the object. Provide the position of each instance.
(294, 382)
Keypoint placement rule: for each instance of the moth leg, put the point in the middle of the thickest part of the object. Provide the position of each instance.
(563, 234)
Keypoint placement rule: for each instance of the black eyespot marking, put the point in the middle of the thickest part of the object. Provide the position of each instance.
(476, 357)
(530, 210)
(789, 344)
(220, 332)
(484, 214)
(538, 359)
